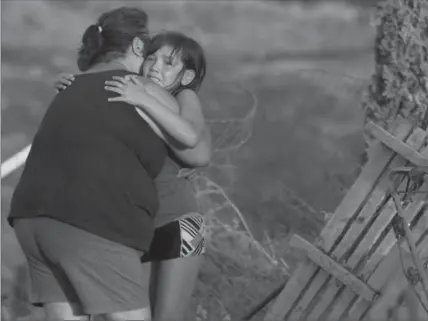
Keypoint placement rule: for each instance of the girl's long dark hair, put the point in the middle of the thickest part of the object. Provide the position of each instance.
(190, 52)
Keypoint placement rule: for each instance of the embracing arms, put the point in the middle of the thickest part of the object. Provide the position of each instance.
(181, 119)
(179, 122)
(199, 155)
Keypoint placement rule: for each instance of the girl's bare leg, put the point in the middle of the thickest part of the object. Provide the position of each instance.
(172, 284)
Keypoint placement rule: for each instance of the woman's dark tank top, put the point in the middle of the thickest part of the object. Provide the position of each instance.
(93, 165)
(176, 194)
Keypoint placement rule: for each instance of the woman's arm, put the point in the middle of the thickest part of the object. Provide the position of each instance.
(177, 125)
(62, 81)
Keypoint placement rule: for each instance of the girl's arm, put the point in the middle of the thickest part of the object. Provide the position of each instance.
(185, 127)
(198, 156)
(177, 127)
(183, 106)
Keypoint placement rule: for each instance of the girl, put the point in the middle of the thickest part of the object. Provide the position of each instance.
(173, 63)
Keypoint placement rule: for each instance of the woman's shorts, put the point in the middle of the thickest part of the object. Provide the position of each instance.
(181, 238)
(67, 264)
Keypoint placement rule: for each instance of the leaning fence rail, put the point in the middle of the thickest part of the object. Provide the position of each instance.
(14, 162)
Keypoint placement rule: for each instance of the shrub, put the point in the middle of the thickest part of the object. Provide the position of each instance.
(399, 86)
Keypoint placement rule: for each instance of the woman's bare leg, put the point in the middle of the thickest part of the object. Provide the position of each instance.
(172, 285)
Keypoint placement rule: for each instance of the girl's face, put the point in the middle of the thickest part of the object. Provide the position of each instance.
(163, 68)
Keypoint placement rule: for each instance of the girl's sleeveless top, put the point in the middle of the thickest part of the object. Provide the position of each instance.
(176, 194)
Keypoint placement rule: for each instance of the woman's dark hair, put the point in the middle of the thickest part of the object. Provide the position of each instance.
(111, 36)
(189, 51)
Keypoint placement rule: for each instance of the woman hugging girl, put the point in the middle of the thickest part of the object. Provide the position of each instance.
(165, 96)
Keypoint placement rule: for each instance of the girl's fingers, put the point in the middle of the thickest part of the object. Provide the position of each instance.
(114, 83)
(118, 98)
(136, 80)
(114, 89)
(122, 80)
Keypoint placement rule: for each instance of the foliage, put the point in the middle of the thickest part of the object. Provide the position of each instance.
(399, 86)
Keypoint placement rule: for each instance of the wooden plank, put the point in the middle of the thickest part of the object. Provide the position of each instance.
(389, 303)
(379, 279)
(380, 275)
(332, 267)
(381, 251)
(390, 298)
(338, 290)
(392, 290)
(422, 225)
(387, 271)
(380, 157)
(420, 235)
(362, 251)
(378, 196)
(327, 288)
(355, 261)
(421, 228)
(359, 192)
(397, 145)
(347, 297)
(386, 268)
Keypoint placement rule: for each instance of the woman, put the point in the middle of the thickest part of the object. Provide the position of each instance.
(83, 208)
(173, 278)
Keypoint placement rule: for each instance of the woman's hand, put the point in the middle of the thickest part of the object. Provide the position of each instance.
(62, 81)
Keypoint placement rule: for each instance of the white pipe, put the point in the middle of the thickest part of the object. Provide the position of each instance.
(16, 161)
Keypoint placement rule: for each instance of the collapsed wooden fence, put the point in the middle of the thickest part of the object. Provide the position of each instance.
(360, 268)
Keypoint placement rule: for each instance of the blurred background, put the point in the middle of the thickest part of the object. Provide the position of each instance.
(282, 96)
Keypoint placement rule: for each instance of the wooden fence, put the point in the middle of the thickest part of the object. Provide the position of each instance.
(354, 271)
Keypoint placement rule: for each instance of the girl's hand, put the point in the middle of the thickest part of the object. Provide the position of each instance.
(139, 80)
(62, 81)
(147, 85)
(156, 91)
(130, 89)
